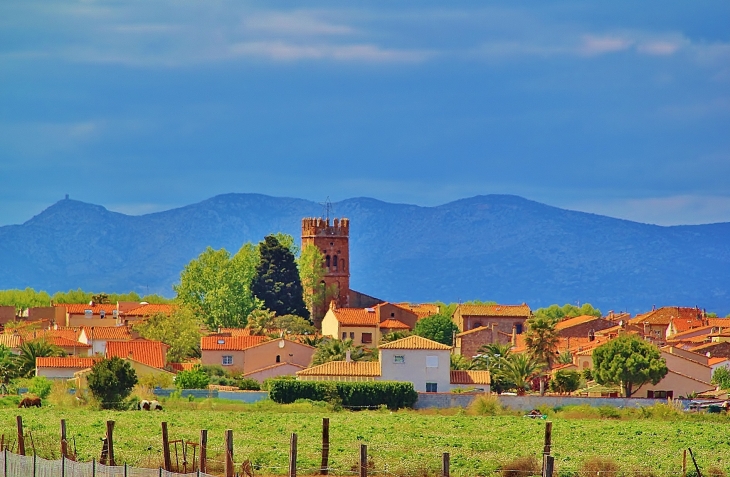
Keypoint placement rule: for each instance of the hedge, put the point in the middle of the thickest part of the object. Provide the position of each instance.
(368, 394)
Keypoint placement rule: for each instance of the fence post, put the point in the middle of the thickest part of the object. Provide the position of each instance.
(64, 444)
(445, 465)
(229, 453)
(324, 468)
(21, 439)
(293, 455)
(5, 462)
(34, 465)
(93, 467)
(684, 463)
(363, 460)
(203, 466)
(63, 466)
(548, 437)
(125, 469)
(166, 448)
(110, 442)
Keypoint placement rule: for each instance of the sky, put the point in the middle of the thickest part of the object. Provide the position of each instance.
(619, 108)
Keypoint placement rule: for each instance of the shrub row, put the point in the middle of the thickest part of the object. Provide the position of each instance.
(370, 394)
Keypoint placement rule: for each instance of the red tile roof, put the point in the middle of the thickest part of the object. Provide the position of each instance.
(184, 366)
(65, 343)
(415, 342)
(356, 316)
(66, 362)
(235, 331)
(575, 321)
(230, 343)
(150, 309)
(108, 333)
(470, 377)
(394, 325)
(80, 308)
(343, 368)
(494, 310)
(421, 310)
(151, 353)
(661, 316)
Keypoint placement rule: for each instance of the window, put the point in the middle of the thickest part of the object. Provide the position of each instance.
(227, 360)
(432, 361)
(278, 358)
(327, 261)
(344, 335)
(431, 387)
(518, 328)
(476, 325)
(367, 337)
(660, 394)
(352, 335)
(392, 314)
(399, 359)
(334, 262)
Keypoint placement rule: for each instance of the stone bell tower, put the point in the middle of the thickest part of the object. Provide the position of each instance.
(332, 239)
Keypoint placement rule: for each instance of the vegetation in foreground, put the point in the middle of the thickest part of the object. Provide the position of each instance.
(481, 439)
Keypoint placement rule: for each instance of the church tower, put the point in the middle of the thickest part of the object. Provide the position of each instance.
(332, 239)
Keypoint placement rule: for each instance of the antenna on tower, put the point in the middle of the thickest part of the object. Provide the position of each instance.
(327, 209)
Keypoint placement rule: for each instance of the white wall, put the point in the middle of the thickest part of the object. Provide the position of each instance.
(414, 368)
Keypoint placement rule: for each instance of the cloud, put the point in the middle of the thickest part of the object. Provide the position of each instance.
(593, 45)
(658, 48)
(283, 51)
(299, 23)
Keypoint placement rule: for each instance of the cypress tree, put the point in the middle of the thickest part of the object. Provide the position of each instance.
(277, 281)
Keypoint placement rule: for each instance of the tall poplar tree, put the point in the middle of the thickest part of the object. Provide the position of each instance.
(277, 281)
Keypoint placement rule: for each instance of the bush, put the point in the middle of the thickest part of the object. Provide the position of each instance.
(40, 386)
(599, 466)
(370, 394)
(520, 467)
(111, 381)
(195, 378)
(248, 384)
(486, 406)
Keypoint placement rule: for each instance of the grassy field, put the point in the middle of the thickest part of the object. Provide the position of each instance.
(400, 443)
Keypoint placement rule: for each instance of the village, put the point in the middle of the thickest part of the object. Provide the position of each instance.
(380, 342)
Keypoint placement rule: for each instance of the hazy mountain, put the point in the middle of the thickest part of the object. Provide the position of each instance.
(496, 247)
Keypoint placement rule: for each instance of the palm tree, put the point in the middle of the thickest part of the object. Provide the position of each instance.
(393, 336)
(8, 366)
(520, 369)
(30, 350)
(459, 362)
(491, 358)
(542, 339)
(260, 322)
(311, 340)
(336, 350)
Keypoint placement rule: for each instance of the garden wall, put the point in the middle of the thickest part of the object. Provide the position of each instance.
(527, 403)
(243, 396)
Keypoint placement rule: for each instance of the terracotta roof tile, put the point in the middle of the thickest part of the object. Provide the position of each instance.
(151, 353)
(421, 310)
(356, 316)
(719, 322)
(184, 366)
(578, 320)
(230, 343)
(62, 342)
(151, 309)
(470, 377)
(714, 361)
(108, 333)
(273, 366)
(415, 342)
(343, 368)
(235, 331)
(66, 362)
(494, 310)
(661, 316)
(394, 325)
(80, 308)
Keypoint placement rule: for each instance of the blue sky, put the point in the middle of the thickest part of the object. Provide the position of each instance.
(619, 108)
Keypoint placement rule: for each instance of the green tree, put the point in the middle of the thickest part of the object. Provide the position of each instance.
(336, 350)
(491, 357)
(629, 362)
(24, 299)
(459, 362)
(111, 382)
(311, 273)
(40, 386)
(30, 350)
(277, 282)
(295, 325)
(72, 296)
(194, 378)
(557, 313)
(180, 329)
(439, 328)
(721, 377)
(542, 339)
(393, 336)
(260, 322)
(217, 287)
(565, 381)
(8, 365)
(520, 370)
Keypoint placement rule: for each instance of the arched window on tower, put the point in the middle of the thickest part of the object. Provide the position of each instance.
(327, 261)
(334, 262)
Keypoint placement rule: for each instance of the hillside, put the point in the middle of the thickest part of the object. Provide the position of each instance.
(502, 248)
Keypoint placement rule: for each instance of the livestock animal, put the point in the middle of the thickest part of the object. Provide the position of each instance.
(146, 405)
(30, 402)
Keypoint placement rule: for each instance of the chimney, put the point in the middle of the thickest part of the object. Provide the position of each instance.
(514, 335)
(348, 359)
(591, 335)
(653, 307)
(333, 305)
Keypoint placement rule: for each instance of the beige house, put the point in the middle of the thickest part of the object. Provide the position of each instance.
(93, 314)
(361, 325)
(62, 367)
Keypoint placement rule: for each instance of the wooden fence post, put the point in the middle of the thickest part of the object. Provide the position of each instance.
(21, 438)
(324, 468)
(64, 443)
(293, 455)
(229, 453)
(110, 442)
(548, 465)
(166, 448)
(203, 466)
(548, 438)
(445, 464)
(363, 460)
(684, 463)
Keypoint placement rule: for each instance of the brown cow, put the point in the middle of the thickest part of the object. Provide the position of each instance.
(30, 402)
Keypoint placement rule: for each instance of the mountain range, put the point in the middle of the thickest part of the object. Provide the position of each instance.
(495, 247)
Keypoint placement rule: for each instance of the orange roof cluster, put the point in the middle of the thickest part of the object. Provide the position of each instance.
(575, 321)
(235, 331)
(149, 309)
(80, 308)
(394, 325)
(66, 362)
(151, 353)
(494, 310)
(343, 368)
(470, 377)
(230, 343)
(421, 310)
(415, 342)
(356, 316)
(108, 333)
(661, 316)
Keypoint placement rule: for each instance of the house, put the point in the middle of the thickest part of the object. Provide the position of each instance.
(148, 352)
(422, 310)
(656, 323)
(256, 357)
(98, 337)
(62, 367)
(7, 314)
(143, 311)
(468, 342)
(713, 349)
(582, 326)
(421, 361)
(504, 317)
(361, 325)
(92, 314)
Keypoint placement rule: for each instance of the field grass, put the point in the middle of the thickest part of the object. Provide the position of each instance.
(401, 443)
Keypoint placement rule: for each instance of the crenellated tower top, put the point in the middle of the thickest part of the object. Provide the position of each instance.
(319, 227)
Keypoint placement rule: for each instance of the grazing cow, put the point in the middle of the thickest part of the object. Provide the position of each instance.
(145, 405)
(30, 402)
(155, 406)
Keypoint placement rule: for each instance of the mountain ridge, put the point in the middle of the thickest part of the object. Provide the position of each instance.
(498, 247)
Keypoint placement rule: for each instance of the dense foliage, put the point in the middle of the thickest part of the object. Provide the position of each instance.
(336, 350)
(565, 381)
(439, 328)
(628, 361)
(180, 330)
(277, 282)
(557, 313)
(195, 378)
(111, 381)
(369, 394)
